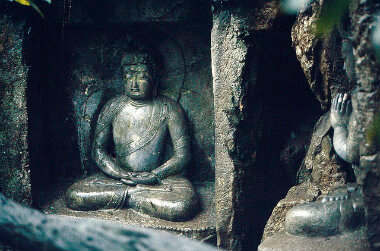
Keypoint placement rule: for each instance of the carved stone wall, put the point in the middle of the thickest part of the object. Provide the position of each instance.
(14, 154)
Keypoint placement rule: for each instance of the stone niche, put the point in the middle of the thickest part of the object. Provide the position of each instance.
(76, 70)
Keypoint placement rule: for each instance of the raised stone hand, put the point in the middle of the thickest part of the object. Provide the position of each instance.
(342, 209)
(340, 111)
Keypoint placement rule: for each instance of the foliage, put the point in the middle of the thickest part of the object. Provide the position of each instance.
(332, 14)
(373, 134)
(375, 38)
(31, 3)
(291, 7)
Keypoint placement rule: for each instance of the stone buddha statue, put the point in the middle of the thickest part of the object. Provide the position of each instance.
(139, 124)
(342, 210)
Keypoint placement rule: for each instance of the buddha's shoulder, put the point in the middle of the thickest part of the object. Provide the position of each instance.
(108, 112)
(113, 102)
(171, 104)
(112, 106)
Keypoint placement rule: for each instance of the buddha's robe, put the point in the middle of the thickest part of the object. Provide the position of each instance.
(139, 137)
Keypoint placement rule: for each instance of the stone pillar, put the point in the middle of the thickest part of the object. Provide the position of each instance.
(228, 54)
(14, 157)
(363, 19)
(233, 76)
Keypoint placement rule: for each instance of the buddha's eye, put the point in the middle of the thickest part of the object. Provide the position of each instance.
(145, 76)
(128, 75)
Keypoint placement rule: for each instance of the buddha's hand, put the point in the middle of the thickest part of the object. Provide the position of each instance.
(128, 182)
(146, 178)
(340, 111)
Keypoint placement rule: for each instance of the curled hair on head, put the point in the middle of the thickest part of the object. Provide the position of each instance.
(135, 58)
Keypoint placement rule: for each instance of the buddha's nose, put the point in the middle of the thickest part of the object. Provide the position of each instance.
(134, 84)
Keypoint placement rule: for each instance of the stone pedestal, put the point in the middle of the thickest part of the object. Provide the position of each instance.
(285, 242)
(201, 227)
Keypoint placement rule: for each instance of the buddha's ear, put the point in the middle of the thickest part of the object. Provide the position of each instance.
(158, 76)
(155, 88)
(156, 81)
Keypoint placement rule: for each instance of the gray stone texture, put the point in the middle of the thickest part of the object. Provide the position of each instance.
(201, 227)
(28, 229)
(295, 149)
(235, 144)
(320, 57)
(368, 73)
(14, 155)
(346, 242)
(69, 101)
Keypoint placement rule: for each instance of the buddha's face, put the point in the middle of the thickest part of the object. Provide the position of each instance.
(138, 81)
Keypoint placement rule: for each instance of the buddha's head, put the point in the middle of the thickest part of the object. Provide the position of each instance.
(139, 71)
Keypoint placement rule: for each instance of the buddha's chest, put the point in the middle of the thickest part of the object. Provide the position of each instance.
(131, 123)
(139, 136)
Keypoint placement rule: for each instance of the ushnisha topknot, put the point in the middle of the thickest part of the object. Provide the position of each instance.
(135, 58)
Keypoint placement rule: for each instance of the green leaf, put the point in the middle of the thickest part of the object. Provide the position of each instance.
(23, 2)
(332, 14)
(32, 4)
(373, 133)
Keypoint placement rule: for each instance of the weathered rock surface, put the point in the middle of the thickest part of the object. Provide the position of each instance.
(320, 58)
(294, 152)
(368, 75)
(14, 155)
(28, 229)
(347, 242)
(238, 128)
